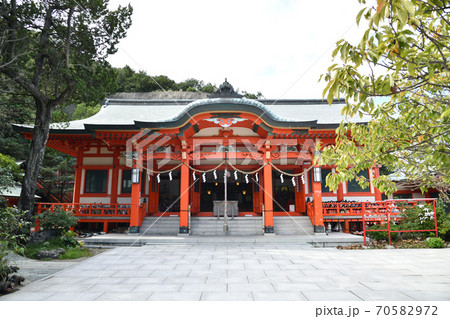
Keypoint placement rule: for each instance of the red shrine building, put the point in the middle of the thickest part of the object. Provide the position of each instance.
(220, 155)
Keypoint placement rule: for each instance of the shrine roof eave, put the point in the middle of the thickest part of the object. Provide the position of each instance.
(130, 115)
(91, 128)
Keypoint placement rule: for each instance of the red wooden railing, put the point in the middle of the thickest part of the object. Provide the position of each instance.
(393, 210)
(342, 209)
(88, 210)
(382, 212)
(142, 212)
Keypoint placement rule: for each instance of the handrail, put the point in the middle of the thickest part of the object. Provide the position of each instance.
(89, 209)
(338, 209)
(142, 212)
(310, 212)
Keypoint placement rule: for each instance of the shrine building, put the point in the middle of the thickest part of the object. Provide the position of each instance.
(217, 155)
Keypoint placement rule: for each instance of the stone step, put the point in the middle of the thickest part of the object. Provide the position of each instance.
(166, 226)
(317, 240)
(248, 226)
(211, 226)
(296, 225)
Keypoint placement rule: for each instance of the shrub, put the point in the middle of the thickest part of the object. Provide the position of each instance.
(14, 228)
(443, 219)
(383, 235)
(71, 246)
(14, 231)
(422, 217)
(59, 220)
(68, 239)
(435, 242)
(417, 217)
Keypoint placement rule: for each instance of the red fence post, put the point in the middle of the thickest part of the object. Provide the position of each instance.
(388, 215)
(363, 211)
(38, 225)
(435, 218)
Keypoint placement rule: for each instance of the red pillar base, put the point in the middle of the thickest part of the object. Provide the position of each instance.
(105, 227)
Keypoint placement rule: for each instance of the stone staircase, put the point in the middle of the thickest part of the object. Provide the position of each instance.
(162, 226)
(239, 226)
(296, 225)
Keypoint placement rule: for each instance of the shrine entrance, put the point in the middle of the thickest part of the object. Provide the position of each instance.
(237, 190)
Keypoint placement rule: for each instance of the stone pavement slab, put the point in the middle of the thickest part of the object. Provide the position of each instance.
(246, 272)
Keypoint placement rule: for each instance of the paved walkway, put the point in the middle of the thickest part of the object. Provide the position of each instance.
(33, 270)
(248, 272)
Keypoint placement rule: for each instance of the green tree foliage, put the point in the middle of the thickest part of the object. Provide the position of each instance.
(399, 75)
(190, 84)
(17, 108)
(252, 95)
(57, 176)
(85, 110)
(56, 52)
(10, 172)
(130, 81)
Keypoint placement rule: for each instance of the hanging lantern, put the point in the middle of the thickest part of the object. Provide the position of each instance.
(135, 174)
(204, 177)
(158, 178)
(282, 179)
(246, 179)
(317, 174)
(170, 175)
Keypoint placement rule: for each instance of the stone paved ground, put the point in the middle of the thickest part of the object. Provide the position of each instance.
(249, 272)
(33, 270)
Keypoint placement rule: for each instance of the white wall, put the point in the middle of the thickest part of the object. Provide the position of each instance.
(360, 198)
(97, 161)
(96, 200)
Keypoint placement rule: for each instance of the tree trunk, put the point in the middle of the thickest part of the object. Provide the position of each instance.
(37, 150)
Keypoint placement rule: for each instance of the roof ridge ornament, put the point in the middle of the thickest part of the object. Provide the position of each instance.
(225, 90)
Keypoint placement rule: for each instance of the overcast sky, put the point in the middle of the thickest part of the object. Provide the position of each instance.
(277, 47)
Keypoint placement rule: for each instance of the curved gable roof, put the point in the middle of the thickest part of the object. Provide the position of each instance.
(130, 114)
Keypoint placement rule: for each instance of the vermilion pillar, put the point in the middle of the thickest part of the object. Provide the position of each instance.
(340, 192)
(135, 199)
(78, 170)
(268, 197)
(184, 197)
(376, 173)
(115, 177)
(317, 204)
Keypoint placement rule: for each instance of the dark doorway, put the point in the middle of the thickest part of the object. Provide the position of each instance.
(169, 192)
(283, 192)
(238, 190)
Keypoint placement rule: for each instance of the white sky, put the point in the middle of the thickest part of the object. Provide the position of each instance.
(277, 47)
